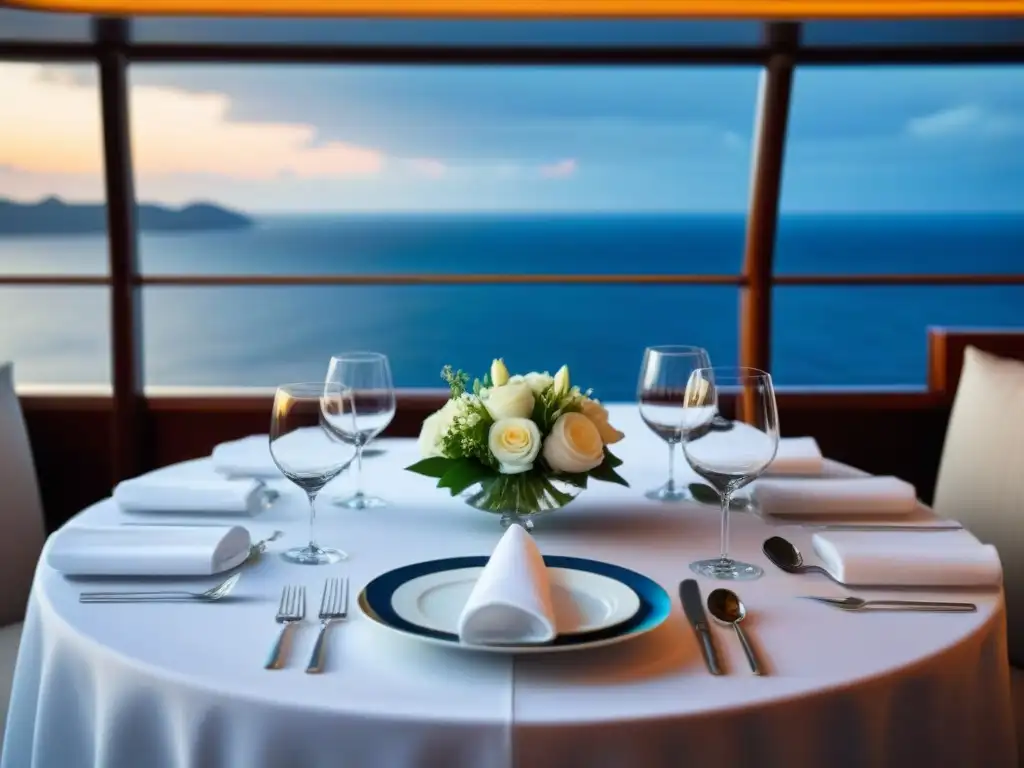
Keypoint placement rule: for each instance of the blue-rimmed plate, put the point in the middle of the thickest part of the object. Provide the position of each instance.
(652, 605)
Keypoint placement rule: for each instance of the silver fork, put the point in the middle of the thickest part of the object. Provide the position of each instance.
(333, 607)
(290, 611)
(213, 594)
(859, 604)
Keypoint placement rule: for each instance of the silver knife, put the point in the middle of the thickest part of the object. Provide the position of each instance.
(693, 606)
(883, 527)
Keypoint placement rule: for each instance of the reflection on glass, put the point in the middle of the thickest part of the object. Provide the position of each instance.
(730, 460)
(306, 454)
(663, 378)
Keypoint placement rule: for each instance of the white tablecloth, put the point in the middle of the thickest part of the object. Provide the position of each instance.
(170, 686)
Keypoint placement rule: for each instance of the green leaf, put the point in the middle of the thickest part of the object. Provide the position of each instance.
(605, 472)
(611, 459)
(435, 466)
(464, 473)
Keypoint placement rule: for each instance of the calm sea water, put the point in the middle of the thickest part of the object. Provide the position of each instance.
(264, 335)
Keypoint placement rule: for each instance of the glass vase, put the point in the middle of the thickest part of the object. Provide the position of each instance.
(517, 499)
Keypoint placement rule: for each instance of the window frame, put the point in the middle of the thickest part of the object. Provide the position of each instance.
(779, 53)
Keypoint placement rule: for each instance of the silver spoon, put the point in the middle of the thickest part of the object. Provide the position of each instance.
(786, 556)
(858, 603)
(726, 606)
(213, 594)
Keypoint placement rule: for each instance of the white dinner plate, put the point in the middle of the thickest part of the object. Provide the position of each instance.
(582, 601)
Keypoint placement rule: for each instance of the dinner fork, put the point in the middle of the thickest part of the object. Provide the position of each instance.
(859, 604)
(213, 594)
(333, 607)
(290, 611)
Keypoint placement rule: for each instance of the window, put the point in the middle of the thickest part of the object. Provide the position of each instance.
(52, 223)
(896, 171)
(34, 26)
(371, 173)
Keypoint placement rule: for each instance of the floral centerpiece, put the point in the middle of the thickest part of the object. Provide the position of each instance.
(519, 445)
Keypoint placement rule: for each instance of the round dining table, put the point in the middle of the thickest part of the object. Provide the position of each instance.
(183, 685)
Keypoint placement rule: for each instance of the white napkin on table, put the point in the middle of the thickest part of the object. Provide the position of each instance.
(797, 456)
(947, 559)
(833, 497)
(246, 457)
(511, 602)
(193, 496)
(165, 551)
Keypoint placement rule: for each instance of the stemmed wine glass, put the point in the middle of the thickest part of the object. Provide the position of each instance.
(731, 460)
(663, 377)
(305, 453)
(368, 410)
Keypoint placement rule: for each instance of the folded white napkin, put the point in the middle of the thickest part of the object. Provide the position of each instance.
(246, 457)
(948, 559)
(511, 602)
(797, 456)
(162, 551)
(834, 497)
(193, 496)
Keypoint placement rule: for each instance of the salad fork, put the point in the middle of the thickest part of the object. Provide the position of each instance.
(291, 611)
(333, 607)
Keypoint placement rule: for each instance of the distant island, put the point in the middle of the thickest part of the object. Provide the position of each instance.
(53, 216)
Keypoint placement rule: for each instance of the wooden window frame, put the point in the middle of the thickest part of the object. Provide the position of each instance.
(780, 52)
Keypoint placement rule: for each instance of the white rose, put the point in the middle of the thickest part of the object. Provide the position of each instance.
(515, 443)
(598, 414)
(538, 382)
(509, 402)
(574, 444)
(434, 428)
(499, 373)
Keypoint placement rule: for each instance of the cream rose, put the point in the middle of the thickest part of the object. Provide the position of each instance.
(515, 443)
(574, 444)
(434, 428)
(512, 401)
(598, 414)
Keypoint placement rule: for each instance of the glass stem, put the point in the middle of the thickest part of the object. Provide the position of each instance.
(726, 503)
(671, 485)
(359, 469)
(312, 520)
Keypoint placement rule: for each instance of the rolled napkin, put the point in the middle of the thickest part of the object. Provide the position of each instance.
(246, 457)
(797, 456)
(950, 559)
(511, 601)
(163, 551)
(834, 497)
(189, 497)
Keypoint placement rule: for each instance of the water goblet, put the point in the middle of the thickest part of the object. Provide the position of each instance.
(663, 377)
(730, 460)
(305, 453)
(366, 412)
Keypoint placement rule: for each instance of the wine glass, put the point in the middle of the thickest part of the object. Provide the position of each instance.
(367, 411)
(731, 460)
(305, 453)
(663, 377)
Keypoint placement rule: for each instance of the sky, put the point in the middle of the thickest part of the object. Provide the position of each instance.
(299, 138)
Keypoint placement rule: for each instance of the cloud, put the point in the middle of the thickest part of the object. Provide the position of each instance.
(563, 169)
(430, 167)
(51, 125)
(966, 120)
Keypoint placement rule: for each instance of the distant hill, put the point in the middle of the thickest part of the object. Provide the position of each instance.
(52, 216)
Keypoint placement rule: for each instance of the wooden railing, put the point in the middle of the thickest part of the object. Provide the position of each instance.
(139, 432)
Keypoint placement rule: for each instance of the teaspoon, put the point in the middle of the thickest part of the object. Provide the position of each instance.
(726, 606)
(786, 556)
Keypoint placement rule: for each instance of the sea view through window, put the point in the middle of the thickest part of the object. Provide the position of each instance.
(363, 170)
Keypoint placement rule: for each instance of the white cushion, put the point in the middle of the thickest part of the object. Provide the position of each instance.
(10, 638)
(21, 510)
(981, 477)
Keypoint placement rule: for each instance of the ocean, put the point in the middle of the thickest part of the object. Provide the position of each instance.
(261, 336)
